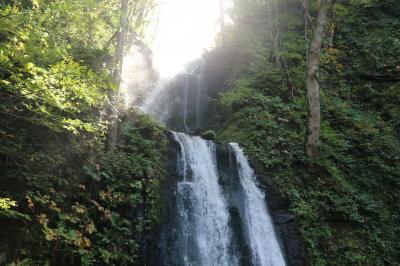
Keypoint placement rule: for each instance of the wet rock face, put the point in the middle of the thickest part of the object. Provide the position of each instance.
(185, 108)
(287, 229)
(227, 166)
(229, 180)
(283, 218)
(288, 232)
(182, 101)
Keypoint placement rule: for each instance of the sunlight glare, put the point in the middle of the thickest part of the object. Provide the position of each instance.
(185, 28)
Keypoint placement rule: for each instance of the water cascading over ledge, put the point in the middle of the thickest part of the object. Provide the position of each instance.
(204, 234)
(215, 212)
(219, 215)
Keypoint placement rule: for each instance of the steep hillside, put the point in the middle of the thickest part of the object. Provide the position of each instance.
(346, 201)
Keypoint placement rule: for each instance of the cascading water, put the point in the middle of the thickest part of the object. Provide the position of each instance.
(204, 224)
(256, 219)
(204, 232)
(217, 220)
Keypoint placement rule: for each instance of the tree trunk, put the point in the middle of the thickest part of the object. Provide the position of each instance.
(117, 69)
(314, 112)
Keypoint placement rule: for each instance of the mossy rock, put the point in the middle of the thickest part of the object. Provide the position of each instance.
(209, 135)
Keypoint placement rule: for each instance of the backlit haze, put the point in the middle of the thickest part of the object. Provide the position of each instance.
(185, 28)
(181, 30)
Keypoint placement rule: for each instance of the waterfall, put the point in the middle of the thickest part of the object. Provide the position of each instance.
(257, 221)
(219, 215)
(205, 236)
(204, 232)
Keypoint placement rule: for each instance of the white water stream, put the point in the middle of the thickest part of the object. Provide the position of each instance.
(262, 239)
(200, 197)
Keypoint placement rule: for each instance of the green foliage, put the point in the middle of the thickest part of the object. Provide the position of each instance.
(77, 205)
(347, 194)
(6, 203)
(209, 135)
(95, 210)
(346, 200)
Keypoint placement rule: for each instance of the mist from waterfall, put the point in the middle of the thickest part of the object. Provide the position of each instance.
(179, 101)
